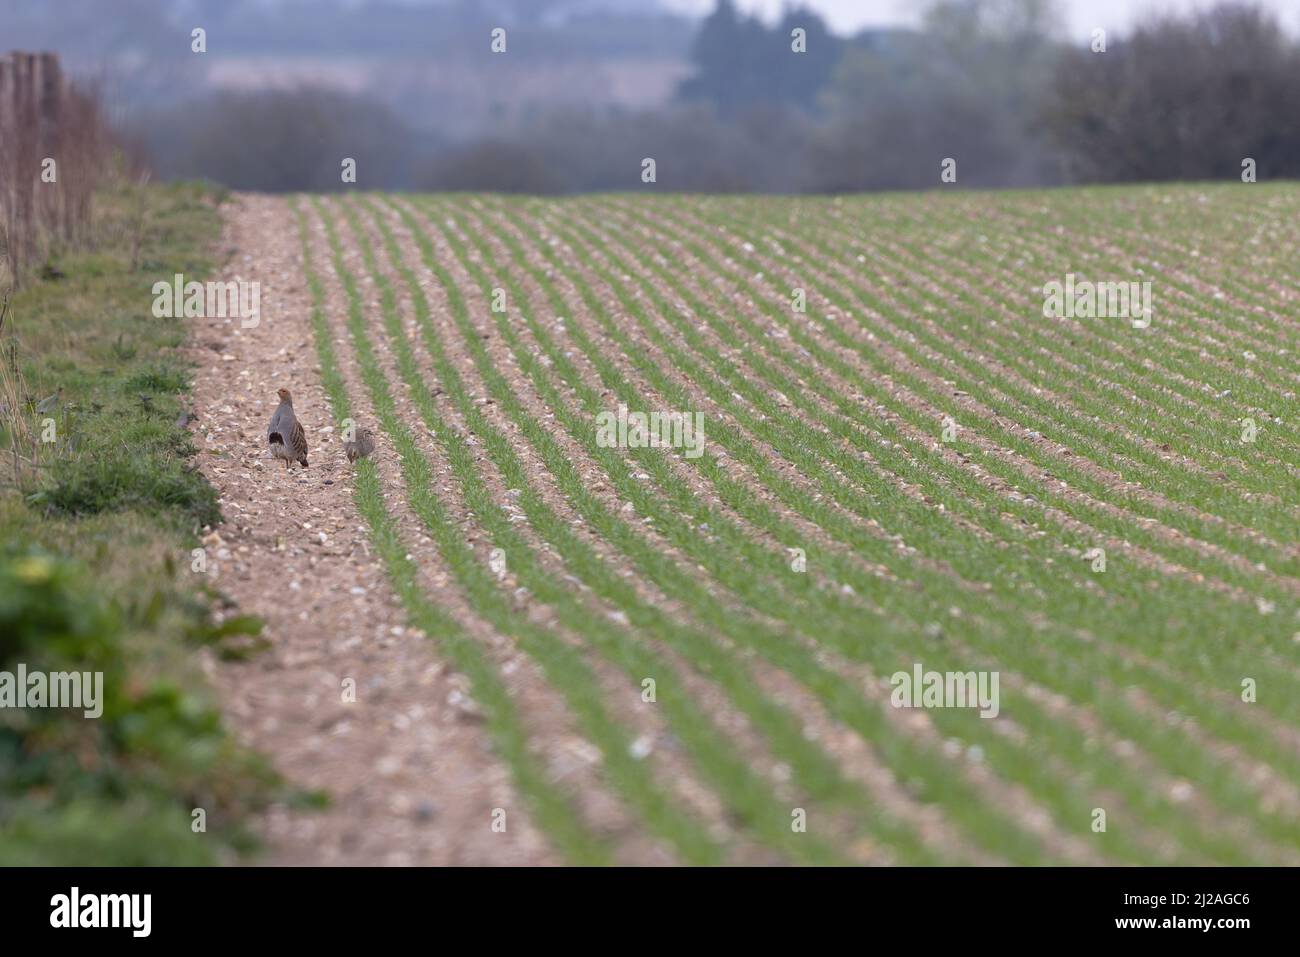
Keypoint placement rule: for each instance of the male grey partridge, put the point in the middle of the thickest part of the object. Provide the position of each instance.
(361, 447)
(287, 439)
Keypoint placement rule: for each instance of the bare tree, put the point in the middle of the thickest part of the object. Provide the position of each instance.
(1183, 98)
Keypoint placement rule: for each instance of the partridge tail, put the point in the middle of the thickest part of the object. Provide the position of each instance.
(298, 440)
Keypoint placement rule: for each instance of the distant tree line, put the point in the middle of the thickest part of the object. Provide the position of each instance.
(739, 62)
(1180, 99)
(982, 82)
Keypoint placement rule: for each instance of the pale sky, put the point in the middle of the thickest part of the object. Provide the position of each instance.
(1081, 16)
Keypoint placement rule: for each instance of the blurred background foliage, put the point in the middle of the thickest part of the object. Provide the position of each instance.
(587, 88)
(120, 788)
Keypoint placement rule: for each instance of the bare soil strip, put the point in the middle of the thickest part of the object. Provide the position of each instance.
(408, 768)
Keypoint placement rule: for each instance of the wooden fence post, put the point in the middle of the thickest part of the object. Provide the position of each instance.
(39, 118)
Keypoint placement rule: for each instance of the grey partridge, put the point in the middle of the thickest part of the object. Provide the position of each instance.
(285, 435)
(361, 448)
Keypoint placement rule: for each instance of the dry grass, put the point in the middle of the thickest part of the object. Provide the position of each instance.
(43, 118)
(21, 447)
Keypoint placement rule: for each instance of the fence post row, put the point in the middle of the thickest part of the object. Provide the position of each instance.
(40, 113)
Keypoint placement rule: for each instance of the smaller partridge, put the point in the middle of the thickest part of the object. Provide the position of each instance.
(361, 447)
(285, 435)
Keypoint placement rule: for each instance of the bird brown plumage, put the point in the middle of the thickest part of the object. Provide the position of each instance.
(361, 447)
(285, 435)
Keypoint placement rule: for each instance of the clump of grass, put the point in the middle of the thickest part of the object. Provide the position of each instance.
(15, 430)
(125, 452)
(162, 377)
(87, 484)
(123, 352)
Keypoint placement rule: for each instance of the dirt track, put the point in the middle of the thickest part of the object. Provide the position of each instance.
(408, 766)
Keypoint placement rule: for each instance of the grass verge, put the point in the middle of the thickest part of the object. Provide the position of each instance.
(100, 507)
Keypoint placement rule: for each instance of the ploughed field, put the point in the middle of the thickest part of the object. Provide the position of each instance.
(925, 569)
